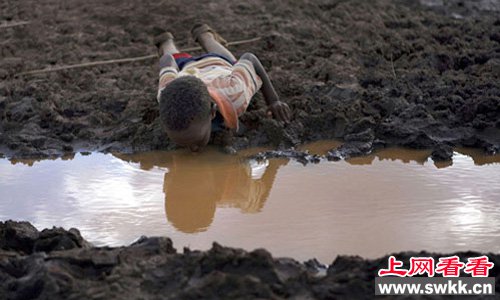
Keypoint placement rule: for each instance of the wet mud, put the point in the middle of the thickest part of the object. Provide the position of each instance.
(60, 264)
(373, 73)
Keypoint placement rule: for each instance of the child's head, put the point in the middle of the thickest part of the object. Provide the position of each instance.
(186, 112)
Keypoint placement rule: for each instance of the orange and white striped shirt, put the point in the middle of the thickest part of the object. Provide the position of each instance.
(231, 87)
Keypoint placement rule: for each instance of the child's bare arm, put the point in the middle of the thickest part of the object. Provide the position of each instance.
(280, 110)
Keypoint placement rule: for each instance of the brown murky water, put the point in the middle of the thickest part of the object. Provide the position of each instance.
(390, 201)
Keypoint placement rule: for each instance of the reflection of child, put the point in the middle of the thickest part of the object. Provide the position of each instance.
(192, 208)
(192, 89)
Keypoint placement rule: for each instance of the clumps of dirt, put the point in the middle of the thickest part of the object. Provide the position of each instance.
(301, 156)
(375, 73)
(151, 268)
(24, 238)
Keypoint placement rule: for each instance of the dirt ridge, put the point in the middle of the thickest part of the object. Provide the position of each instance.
(60, 264)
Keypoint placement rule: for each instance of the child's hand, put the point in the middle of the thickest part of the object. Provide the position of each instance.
(280, 111)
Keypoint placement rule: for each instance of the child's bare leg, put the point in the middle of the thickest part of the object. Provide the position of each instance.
(210, 44)
(168, 47)
(165, 44)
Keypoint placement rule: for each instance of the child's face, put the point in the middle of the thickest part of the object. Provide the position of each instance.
(195, 137)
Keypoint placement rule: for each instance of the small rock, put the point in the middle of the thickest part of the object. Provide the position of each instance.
(492, 150)
(442, 152)
(350, 149)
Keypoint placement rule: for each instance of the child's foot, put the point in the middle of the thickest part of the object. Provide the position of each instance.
(199, 29)
(161, 39)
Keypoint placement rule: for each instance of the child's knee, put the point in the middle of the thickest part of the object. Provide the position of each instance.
(166, 60)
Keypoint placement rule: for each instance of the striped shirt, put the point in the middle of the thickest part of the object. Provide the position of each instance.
(231, 87)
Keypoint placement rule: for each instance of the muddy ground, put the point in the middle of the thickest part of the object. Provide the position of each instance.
(374, 73)
(60, 264)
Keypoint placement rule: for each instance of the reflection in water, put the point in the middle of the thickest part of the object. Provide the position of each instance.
(393, 154)
(368, 206)
(196, 184)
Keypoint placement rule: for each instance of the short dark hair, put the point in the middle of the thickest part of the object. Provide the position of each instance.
(183, 100)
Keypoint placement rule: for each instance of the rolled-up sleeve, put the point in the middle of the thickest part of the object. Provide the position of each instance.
(245, 70)
(239, 86)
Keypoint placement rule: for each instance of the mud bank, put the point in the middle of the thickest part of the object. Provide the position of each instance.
(374, 73)
(60, 264)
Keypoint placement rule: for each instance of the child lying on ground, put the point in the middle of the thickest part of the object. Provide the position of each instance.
(193, 89)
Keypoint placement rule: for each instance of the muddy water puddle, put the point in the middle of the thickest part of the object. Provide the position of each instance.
(393, 200)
